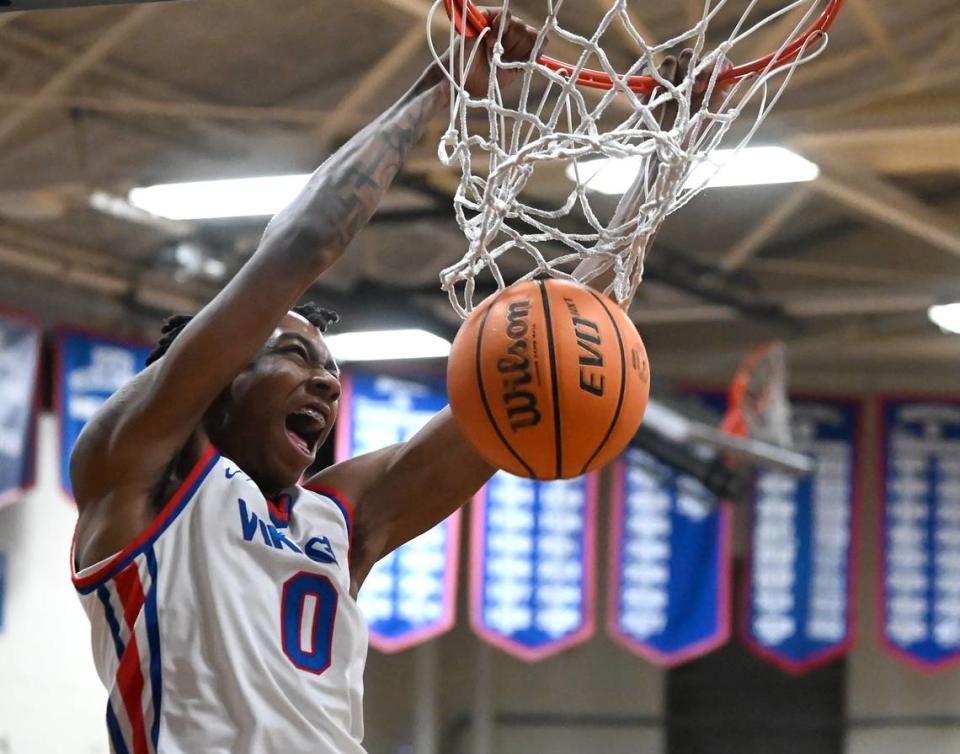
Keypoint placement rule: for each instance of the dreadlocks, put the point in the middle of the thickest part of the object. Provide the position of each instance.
(316, 315)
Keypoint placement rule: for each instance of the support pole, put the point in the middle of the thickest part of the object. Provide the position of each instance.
(425, 712)
(483, 702)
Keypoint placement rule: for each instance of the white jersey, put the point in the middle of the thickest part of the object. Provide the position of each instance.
(228, 626)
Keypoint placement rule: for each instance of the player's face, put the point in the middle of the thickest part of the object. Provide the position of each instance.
(282, 407)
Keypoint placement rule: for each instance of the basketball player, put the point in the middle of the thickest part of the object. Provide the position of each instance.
(220, 591)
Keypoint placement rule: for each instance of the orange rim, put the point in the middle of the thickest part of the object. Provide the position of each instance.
(470, 21)
(734, 421)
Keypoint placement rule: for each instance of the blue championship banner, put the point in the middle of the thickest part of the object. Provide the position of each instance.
(410, 595)
(19, 362)
(669, 597)
(90, 368)
(920, 546)
(800, 598)
(533, 564)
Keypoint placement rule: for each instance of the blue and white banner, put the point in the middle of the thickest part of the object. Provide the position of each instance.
(410, 595)
(90, 369)
(669, 585)
(19, 362)
(920, 563)
(800, 596)
(533, 564)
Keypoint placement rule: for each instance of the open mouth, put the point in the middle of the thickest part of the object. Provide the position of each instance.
(304, 428)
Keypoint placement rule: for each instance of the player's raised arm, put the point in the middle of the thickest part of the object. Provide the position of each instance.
(402, 491)
(129, 446)
(164, 405)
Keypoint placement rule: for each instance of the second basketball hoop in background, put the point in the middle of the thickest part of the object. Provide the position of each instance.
(548, 379)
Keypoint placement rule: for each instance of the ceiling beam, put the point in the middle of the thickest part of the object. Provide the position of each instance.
(901, 91)
(183, 110)
(847, 273)
(842, 345)
(419, 9)
(896, 137)
(908, 149)
(746, 247)
(836, 61)
(871, 196)
(931, 346)
(98, 50)
(127, 78)
(939, 107)
(345, 112)
(770, 37)
(879, 36)
(72, 265)
(29, 238)
(837, 303)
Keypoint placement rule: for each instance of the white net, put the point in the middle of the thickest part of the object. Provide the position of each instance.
(758, 400)
(501, 139)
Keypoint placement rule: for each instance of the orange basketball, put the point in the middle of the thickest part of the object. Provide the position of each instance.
(548, 379)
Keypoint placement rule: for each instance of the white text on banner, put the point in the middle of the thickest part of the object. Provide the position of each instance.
(669, 586)
(800, 596)
(533, 564)
(410, 595)
(920, 577)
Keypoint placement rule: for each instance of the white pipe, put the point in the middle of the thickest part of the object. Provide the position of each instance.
(425, 711)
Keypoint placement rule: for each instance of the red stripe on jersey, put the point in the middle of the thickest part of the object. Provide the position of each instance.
(130, 591)
(129, 673)
(280, 509)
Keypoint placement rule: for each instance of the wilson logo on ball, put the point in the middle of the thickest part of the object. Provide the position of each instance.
(521, 405)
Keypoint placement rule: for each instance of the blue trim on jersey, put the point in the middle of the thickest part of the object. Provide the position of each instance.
(116, 736)
(121, 564)
(153, 636)
(104, 597)
(344, 511)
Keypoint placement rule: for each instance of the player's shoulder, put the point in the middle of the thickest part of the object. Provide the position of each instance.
(330, 495)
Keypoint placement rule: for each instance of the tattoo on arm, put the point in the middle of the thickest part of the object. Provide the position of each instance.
(343, 194)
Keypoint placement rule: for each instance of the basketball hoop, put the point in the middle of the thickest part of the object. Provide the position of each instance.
(552, 120)
(758, 404)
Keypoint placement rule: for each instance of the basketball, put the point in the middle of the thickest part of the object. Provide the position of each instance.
(548, 379)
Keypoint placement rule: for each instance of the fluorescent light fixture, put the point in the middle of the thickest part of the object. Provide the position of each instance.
(946, 316)
(383, 345)
(234, 197)
(752, 166)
